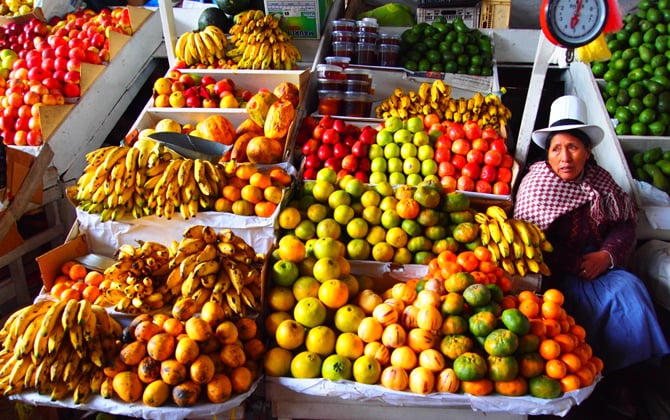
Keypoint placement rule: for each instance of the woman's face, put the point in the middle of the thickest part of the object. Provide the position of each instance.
(567, 156)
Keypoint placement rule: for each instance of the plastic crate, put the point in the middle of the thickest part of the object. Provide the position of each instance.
(494, 14)
(470, 15)
(446, 3)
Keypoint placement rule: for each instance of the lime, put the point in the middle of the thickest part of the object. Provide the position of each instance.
(638, 129)
(622, 97)
(646, 52)
(636, 106)
(647, 116)
(424, 65)
(661, 43)
(636, 90)
(421, 47)
(611, 88)
(657, 128)
(623, 114)
(433, 56)
(654, 15)
(457, 48)
(411, 65)
(463, 61)
(662, 71)
(659, 60)
(650, 35)
(622, 129)
(636, 75)
(437, 67)
(634, 63)
(451, 66)
(431, 43)
(664, 102)
(627, 54)
(598, 68)
(611, 105)
(613, 75)
(649, 100)
(660, 27)
(635, 39)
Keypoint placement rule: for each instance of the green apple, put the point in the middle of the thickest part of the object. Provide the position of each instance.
(284, 273)
(343, 214)
(394, 165)
(339, 198)
(384, 137)
(327, 174)
(425, 152)
(372, 215)
(393, 124)
(420, 138)
(391, 150)
(411, 166)
(384, 189)
(376, 150)
(355, 187)
(378, 164)
(397, 178)
(414, 179)
(415, 124)
(408, 150)
(431, 178)
(403, 136)
(370, 198)
(358, 249)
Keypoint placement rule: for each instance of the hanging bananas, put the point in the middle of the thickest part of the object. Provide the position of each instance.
(146, 179)
(220, 267)
(57, 348)
(517, 245)
(260, 44)
(206, 46)
(434, 98)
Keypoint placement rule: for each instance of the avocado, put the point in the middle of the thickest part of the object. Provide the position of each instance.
(232, 7)
(215, 17)
(664, 166)
(658, 180)
(652, 155)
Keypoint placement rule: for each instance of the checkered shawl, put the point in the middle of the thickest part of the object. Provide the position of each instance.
(542, 196)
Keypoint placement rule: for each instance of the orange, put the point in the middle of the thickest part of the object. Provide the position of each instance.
(65, 268)
(528, 295)
(572, 361)
(550, 310)
(537, 327)
(566, 341)
(598, 363)
(549, 349)
(252, 194)
(264, 208)
(94, 278)
(570, 382)
(68, 294)
(280, 176)
(552, 326)
(281, 299)
(585, 376)
(57, 289)
(90, 293)
(530, 308)
(260, 180)
(408, 208)
(554, 295)
(246, 170)
(531, 364)
(509, 301)
(482, 253)
(468, 260)
(273, 194)
(289, 218)
(555, 368)
(231, 193)
(333, 293)
(77, 272)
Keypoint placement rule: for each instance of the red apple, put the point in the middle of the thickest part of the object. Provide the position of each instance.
(360, 149)
(333, 162)
(34, 138)
(472, 130)
(73, 64)
(310, 146)
(340, 150)
(71, 90)
(193, 102)
(313, 161)
(72, 77)
(350, 163)
(207, 80)
(325, 151)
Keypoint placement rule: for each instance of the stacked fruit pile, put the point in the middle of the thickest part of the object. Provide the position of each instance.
(637, 76)
(425, 335)
(652, 166)
(187, 359)
(58, 348)
(42, 66)
(408, 224)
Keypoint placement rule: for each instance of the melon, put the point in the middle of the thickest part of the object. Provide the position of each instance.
(216, 17)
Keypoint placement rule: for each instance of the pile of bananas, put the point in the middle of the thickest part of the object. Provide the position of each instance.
(137, 279)
(516, 245)
(435, 98)
(147, 178)
(220, 267)
(260, 44)
(205, 46)
(58, 348)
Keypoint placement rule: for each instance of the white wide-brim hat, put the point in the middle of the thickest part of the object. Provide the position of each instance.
(568, 113)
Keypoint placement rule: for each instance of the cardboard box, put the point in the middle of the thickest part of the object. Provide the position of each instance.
(18, 165)
(11, 240)
(302, 19)
(51, 261)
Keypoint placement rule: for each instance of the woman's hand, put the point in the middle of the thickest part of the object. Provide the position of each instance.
(594, 264)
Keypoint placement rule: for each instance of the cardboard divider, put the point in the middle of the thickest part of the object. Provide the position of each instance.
(89, 74)
(51, 117)
(18, 166)
(51, 261)
(138, 15)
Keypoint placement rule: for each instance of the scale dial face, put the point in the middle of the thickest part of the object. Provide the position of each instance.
(574, 23)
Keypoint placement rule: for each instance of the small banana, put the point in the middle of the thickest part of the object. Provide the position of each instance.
(494, 231)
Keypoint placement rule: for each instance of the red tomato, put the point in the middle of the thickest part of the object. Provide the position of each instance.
(449, 183)
(446, 169)
(460, 146)
(493, 158)
(442, 154)
(501, 188)
(490, 134)
(472, 130)
(443, 141)
(330, 136)
(475, 156)
(471, 170)
(480, 144)
(499, 145)
(507, 161)
(504, 175)
(488, 173)
(465, 183)
(458, 161)
(482, 186)
(455, 131)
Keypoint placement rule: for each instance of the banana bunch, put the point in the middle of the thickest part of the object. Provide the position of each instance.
(220, 267)
(205, 46)
(516, 244)
(147, 178)
(137, 279)
(434, 98)
(260, 44)
(58, 348)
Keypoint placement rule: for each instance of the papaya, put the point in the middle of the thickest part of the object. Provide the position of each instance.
(248, 125)
(287, 91)
(259, 106)
(279, 118)
(239, 151)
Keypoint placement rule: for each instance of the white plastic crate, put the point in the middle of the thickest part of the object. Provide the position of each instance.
(470, 15)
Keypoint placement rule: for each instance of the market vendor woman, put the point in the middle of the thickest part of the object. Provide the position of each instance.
(591, 222)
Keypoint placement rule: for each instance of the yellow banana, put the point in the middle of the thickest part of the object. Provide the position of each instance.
(507, 231)
(55, 338)
(114, 156)
(521, 267)
(529, 251)
(497, 213)
(206, 268)
(25, 344)
(209, 253)
(509, 266)
(69, 315)
(518, 248)
(504, 247)
(484, 233)
(521, 229)
(494, 230)
(533, 266)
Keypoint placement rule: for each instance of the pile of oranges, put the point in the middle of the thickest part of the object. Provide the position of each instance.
(76, 282)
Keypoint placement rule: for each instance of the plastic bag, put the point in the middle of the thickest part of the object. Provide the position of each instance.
(53, 8)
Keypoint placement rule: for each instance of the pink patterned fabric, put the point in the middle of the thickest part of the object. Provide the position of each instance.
(543, 196)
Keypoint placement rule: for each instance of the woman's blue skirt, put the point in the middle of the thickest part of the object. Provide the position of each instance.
(619, 318)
